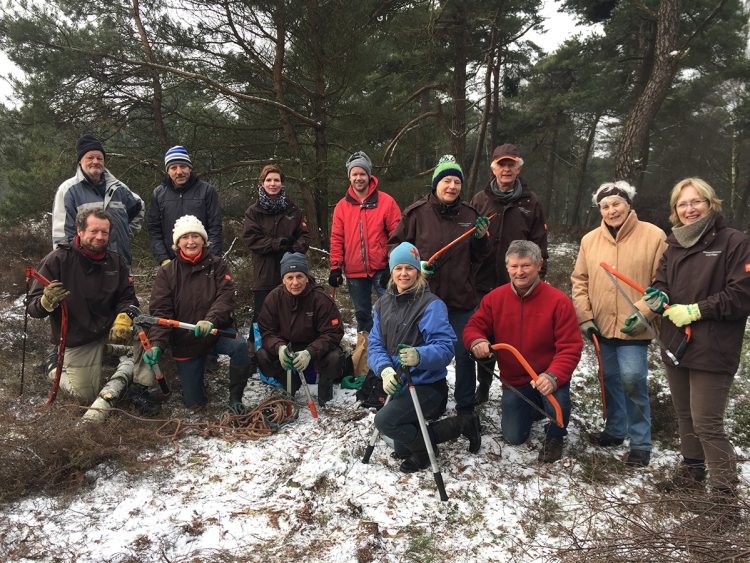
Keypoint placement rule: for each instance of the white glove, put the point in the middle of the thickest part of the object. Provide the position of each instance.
(301, 360)
(391, 381)
(285, 359)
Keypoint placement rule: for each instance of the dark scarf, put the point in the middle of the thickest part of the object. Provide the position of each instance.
(87, 253)
(272, 205)
(509, 196)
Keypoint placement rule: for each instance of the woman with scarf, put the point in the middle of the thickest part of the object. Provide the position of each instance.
(704, 277)
(430, 224)
(634, 247)
(411, 331)
(273, 226)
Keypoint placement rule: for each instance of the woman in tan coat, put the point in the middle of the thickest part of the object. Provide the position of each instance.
(634, 248)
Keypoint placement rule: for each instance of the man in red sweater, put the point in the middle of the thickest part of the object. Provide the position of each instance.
(540, 322)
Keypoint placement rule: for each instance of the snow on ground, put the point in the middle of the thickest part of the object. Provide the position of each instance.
(304, 492)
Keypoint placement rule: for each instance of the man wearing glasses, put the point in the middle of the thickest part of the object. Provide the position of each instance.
(519, 216)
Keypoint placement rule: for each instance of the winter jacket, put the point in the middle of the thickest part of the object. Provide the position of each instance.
(421, 321)
(99, 291)
(522, 219)
(541, 326)
(715, 274)
(190, 293)
(635, 253)
(263, 234)
(309, 321)
(429, 225)
(78, 193)
(169, 203)
(360, 231)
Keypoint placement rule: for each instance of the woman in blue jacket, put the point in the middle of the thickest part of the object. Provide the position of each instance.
(411, 331)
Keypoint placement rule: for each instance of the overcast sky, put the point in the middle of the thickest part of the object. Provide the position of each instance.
(558, 26)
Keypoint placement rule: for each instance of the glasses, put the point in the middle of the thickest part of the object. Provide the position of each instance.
(692, 203)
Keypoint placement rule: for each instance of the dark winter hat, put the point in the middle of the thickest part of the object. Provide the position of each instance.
(294, 262)
(88, 143)
(177, 154)
(447, 166)
(404, 253)
(360, 159)
(506, 151)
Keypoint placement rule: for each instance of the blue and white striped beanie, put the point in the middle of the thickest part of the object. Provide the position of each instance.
(175, 155)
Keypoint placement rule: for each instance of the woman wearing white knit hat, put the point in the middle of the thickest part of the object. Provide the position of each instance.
(197, 288)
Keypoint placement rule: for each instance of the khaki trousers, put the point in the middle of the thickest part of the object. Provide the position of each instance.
(82, 371)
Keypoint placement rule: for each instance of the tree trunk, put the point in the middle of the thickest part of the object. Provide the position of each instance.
(161, 130)
(458, 124)
(628, 160)
(549, 176)
(584, 165)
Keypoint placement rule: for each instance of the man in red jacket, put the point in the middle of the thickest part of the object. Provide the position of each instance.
(540, 322)
(362, 222)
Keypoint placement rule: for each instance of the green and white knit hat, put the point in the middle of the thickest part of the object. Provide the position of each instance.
(447, 166)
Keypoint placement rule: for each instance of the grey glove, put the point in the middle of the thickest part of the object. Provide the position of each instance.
(588, 328)
(53, 294)
(633, 325)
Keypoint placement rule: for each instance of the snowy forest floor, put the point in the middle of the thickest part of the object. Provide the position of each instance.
(125, 491)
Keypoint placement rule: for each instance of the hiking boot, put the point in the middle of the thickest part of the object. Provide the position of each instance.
(604, 439)
(637, 458)
(471, 430)
(238, 376)
(724, 508)
(552, 448)
(212, 363)
(687, 477)
(141, 399)
(325, 391)
(419, 458)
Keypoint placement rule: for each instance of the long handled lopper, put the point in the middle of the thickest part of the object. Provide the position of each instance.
(373, 438)
(598, 349)
(310, 402)
(455, 242)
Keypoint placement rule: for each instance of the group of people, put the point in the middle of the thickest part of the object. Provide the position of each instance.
(481, 301)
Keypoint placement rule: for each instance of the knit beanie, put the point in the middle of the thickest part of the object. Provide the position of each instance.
(88, 143)
(447, 166)
(177, 154)
(188, 224)
(404, 253)
(360, 159)
(294, 262)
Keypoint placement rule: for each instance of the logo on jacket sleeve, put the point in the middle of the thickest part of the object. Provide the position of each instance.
(334, 322)
(747, 267)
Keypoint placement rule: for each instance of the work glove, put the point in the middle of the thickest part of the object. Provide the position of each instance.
(655, 299)
(53, 294)
(285, 358)
(682, 315)
(427, 271)
(301, 360)
(151, 356)
(203, 328)
(408, 355)
(286, 243)
(391, 381)
(633, 325)
(122, 329)
(335, 278)
(588, 328)
(482, 225)
(165, 262)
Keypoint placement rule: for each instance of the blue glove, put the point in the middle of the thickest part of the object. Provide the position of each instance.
(151, 356)
(655, 299)
(427, 270)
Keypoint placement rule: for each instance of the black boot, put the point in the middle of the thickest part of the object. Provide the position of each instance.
(325, 391)
(445, 429)
(419, 458)
(141, 399)
(471, 430)
(238, 377)
(689, 477)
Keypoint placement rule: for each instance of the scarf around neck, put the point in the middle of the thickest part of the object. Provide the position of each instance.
(272, 205)
(688, 235)
(509, 196)
(86, 252)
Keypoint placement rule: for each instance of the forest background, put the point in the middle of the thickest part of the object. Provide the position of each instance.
(657, 93)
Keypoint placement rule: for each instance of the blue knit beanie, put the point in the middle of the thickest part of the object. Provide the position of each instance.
(404, 253)
(447, 166)
(177, 154)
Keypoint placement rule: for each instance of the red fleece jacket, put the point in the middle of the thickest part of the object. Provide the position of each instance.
(542, 326)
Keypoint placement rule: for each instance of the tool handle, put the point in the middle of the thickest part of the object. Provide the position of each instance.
(455, 242)
(187, 326)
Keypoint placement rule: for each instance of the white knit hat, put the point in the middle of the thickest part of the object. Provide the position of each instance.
(188, 224)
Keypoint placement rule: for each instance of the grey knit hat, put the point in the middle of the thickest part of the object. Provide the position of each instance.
(294, 262)
(360, 159)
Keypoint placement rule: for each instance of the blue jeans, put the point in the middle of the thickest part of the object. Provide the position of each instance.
(466, 368)
(192, 370)
(360, 290)
(626, 391)
(518, 416)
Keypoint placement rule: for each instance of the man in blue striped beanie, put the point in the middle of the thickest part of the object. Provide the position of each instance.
(182, 193)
